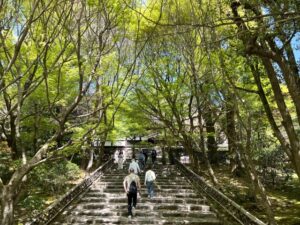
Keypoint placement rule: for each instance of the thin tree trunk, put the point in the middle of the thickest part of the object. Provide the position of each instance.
(187, 143)
(255, 180)
(35, 128)
(259, 189)
(211, 174)
(201, 148)
(231, 132)
(91, 160)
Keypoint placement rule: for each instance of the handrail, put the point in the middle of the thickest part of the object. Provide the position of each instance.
(53, 210)
(236, 211)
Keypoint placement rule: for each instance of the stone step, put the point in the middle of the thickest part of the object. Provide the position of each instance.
(120, 177)
(149, 205)
(121, 195)
(142, 173)
(119, 182)
(162, 185)
(110, 212)
(143, 219)
(158, 190)
(126, 221)
(123, 200)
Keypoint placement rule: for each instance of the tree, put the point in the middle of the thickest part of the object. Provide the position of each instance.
(268, 36)
(61, 74)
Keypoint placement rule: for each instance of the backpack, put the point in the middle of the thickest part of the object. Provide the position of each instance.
(132, 187)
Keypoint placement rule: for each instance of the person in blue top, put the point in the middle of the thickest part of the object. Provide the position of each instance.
(141, 159)
(149, 181)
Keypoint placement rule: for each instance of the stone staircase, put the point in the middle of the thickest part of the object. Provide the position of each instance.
(105, 202)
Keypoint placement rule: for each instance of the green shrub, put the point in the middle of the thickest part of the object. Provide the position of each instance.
(32, 202)
(54, 177)
(7, 165)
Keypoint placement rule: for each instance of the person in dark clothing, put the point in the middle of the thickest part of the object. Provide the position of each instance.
(153, 155)
(131, 186)
(145, 152)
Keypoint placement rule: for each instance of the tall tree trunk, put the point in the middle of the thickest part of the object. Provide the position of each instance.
(9, 191)
(84, 158)
(7, 209)
(267, 108)
(290, 72)
(103, 138)
(269, 53)
(102, 150)
(11, 133)
(258, 187)
(211, 143)
(35, 128)
(188, 146)
(12, 137)
(201, 147)
(236, 164)
(251, 171)
(230, 131)
(287, 119)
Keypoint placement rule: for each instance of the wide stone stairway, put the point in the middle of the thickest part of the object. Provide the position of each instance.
(105, 202)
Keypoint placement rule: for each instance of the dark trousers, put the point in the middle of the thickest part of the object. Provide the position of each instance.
(131, 202)
(141, 164)
(153, 159)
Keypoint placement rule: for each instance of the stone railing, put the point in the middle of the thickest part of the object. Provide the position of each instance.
(237, 212)
(53, 210)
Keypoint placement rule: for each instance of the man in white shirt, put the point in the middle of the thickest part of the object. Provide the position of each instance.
(135, 166)
(149, 182)
(131, 186)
